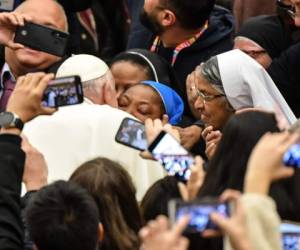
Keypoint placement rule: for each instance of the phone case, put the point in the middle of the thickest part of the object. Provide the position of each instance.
(176, 205)
(60, 88)
(42, 38)
(130, 144)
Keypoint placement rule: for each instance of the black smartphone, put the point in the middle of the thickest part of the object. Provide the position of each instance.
(132, 134)
(63, 91)
(199, 212)
(175, 159)
(292, 156)
(290, 235)
(43, 38)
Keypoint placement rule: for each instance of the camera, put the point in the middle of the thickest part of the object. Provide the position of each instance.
(132, 134)
(63, 91)
(175, 159)
(199, 212)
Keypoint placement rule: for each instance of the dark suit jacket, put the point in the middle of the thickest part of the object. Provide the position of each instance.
(12, 160)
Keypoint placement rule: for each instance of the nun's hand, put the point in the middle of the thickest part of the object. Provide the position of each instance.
(189, 136)
(212, 139)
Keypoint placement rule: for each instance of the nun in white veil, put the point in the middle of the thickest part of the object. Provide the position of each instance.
(233, 81)
(247, 84)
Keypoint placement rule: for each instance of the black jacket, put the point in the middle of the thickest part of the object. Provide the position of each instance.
(12, 160)
(286, 74)
(215, 40)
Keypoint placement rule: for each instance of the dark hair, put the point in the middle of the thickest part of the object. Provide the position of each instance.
(111, 187)
(191, 14)
(155, 201)
(228, 166)
(153, 64)
(63, 216)
(136, 60)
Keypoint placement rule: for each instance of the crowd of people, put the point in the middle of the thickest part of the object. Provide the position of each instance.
(219, 77)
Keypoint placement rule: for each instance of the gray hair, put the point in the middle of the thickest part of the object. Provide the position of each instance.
(211, 72)
(96, 85)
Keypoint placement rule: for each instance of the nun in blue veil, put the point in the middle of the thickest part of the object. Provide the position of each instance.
(150, 99)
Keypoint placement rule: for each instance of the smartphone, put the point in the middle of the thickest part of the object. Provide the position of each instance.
(199, 212)
(290, 234)
(175, 159)
(292, 156)
(132, 134)
(63, 91)
(43, 38)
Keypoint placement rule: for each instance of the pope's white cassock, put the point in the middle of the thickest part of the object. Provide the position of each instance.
(76, 134)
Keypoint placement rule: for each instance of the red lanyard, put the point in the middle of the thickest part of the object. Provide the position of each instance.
(180, 47)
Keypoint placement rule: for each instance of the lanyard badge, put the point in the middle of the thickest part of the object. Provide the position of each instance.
(180, 47)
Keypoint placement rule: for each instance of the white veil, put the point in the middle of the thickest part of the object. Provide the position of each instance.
(247, 85)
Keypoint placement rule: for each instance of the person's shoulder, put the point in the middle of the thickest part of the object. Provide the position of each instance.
(218, 37)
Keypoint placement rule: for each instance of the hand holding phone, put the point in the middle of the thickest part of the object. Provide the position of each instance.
(42, 38)
(9, 22)
(63, 91)
(132, 134)
(199, 212)
(174, 158)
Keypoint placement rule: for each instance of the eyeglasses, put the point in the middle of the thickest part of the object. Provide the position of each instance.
(205, 97)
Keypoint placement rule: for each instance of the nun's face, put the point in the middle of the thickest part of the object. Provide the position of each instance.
(252, 49)
(127, 74)
(142, 102)
(214, 110)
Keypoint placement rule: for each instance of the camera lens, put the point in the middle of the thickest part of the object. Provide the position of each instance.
(24, 32)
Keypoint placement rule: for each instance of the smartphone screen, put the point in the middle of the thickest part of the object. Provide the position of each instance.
(63, 92)
(199, 212)
(175, 159)
(43, 38)
(292, 156)
(290, 236)
(132, 134)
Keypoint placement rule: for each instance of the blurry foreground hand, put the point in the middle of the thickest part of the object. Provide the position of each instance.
(157, 235)
(35, 174)
(266, 162)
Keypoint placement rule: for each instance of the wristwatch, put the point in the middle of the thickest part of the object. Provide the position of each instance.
(10, 120)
